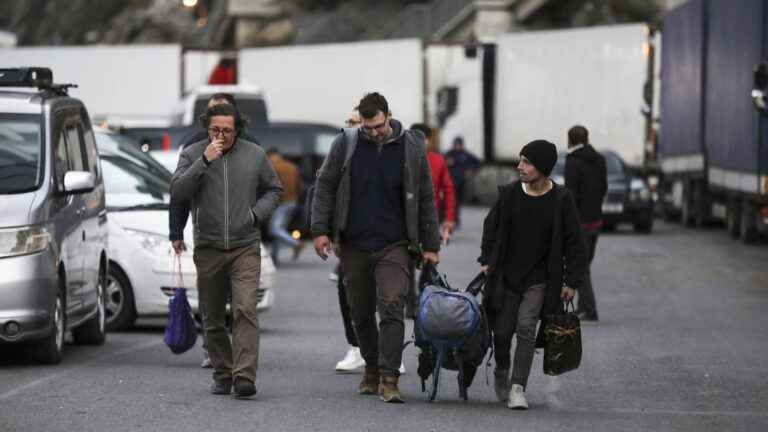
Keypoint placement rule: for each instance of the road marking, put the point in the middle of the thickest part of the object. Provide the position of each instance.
(669, 412)
(32, 384)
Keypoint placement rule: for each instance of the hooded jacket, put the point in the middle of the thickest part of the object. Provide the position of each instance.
(587, 179)
(330, 207)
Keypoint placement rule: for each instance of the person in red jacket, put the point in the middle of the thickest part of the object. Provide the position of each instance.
(445, 201)
(445, 194)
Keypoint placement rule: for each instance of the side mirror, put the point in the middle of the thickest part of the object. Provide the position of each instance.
(76, 182)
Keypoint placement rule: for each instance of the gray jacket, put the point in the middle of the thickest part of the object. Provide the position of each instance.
(231, 197)
(330, 206)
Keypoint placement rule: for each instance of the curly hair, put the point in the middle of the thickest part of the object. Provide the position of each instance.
(225, 110)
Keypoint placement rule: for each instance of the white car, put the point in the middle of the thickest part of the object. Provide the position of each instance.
(141, 268)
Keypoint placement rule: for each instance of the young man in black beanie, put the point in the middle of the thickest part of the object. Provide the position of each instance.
(529, 235)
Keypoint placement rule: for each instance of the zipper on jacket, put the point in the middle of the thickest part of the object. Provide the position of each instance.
(226, 204)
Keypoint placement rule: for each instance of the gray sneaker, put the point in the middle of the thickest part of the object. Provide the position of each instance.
(222, 387)
(517, 398)
(501, 384)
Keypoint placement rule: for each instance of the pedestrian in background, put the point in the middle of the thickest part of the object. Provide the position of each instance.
(445, 200)
(232, 189)
(379, 210)
(587, 179)
(353, 359)
(528, 237)
(462, 165)
(287, 211)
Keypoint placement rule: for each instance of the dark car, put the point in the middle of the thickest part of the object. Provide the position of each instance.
(629, 198)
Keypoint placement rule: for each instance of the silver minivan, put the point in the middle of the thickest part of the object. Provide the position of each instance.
(53, 219)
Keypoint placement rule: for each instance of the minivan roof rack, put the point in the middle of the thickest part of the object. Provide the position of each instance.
(38, 77)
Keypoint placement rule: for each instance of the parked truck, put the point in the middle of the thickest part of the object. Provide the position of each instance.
(712, 148)
(539, 84)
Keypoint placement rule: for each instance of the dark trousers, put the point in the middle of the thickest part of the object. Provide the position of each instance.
(519, 314)
(378, 281)
(242, 267)
(346, 316)
(587, 303)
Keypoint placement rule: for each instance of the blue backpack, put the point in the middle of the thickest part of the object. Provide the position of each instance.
(181, 331)
(451, 331)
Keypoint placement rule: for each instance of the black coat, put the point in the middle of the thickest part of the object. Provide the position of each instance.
(586, 178)
(567, 247)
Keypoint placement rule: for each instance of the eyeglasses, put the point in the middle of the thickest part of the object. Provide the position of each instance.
(216, 131)
(377, 128)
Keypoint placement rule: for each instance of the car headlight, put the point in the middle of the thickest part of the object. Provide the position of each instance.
(151, 242)
(639, 191)
(23, 240)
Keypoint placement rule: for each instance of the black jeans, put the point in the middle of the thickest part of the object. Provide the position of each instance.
(587, 303)
(378, 281)
(346, 316)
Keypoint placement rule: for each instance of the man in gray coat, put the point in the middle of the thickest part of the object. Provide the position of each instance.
(374, 198)
(233, 189)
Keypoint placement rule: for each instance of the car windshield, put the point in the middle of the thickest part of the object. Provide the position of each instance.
(254, 109)
(20, 149)
(133, 179)
(613, 165)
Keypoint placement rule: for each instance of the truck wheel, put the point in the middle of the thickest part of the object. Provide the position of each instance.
(48, 350)
(748, 231)
(733, 219)
(119, 301)
(747, 228)
(93, 331)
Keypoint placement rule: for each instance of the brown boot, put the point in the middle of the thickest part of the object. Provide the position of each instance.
(369, 382)
(388, 391)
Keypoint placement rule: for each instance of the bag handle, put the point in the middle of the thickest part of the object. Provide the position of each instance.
(477, 284)
(177, 277)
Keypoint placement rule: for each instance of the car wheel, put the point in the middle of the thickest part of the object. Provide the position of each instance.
(644, 227)
(119, 303)
(49, 350)
(93, 331)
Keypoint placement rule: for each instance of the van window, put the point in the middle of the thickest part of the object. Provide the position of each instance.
(61, 163)
(75, 149)
(90, 151)
(20, 153)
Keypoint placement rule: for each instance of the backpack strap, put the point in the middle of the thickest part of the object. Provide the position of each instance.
(436, 373)
(350, 142)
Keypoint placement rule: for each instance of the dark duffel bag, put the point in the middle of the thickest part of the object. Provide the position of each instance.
(562, 341)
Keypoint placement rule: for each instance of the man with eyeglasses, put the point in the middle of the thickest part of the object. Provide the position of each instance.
(178, 212)
(233, 189)
(375, 200)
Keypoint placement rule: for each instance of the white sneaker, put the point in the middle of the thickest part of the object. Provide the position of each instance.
(351, 362)
(517, 398)
(206, 363)
(402, 369)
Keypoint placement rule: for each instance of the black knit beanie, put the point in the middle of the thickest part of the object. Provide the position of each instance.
(542, 154)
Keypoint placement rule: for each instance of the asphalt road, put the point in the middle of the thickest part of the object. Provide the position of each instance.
(681, 345)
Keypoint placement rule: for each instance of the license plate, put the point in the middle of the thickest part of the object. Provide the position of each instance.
(613, 208)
